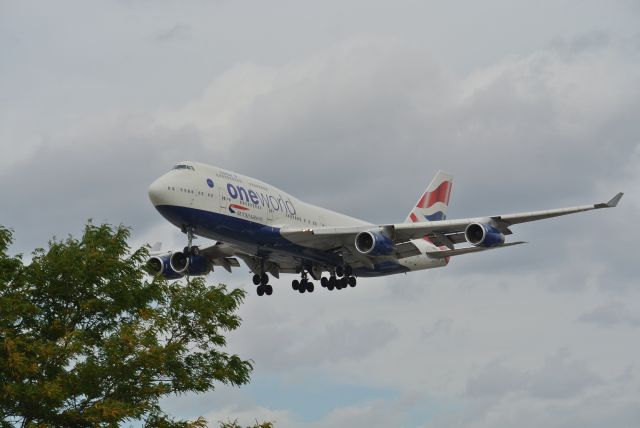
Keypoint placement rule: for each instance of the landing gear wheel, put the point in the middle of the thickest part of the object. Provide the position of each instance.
(347, 270)
(310, 287)
(339, 271)
(256, 279)
(264, 279)
(332, 282)
(260, 290)
(324, 282)
(295, 284)
(302, 289)
(352, 281)
(268, 290)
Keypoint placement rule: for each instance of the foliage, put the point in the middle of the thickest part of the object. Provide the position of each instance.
(86, 339)
(235, 424)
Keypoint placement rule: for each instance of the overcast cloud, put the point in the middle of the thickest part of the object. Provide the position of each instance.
(354, 106)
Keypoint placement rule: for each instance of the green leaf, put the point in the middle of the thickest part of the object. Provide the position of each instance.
(88, 339)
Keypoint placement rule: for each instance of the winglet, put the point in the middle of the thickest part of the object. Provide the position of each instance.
(614, 201)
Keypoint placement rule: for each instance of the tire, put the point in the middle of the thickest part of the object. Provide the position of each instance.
(295, 284)
(268, 290)
(301, 289)
(352, 281)
(260, 290)
(348, 270)
(339, 271)
(324, 282)
(310, 287)
(256, 279)
(264, 279)
(331, 286)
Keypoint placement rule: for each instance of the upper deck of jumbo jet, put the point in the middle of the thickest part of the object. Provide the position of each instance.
(196, 175)
(207, 171)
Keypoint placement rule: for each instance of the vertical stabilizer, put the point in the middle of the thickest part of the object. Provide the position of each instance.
(434, 202)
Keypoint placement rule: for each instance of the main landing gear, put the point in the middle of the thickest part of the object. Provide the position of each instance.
(262, 281)
(345, 278)
(304, 285)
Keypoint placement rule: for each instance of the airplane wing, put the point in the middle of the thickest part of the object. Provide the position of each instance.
(442, 233)
(221, 255)
(227, 255)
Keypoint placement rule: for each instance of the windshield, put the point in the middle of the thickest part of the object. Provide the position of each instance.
(184, 167)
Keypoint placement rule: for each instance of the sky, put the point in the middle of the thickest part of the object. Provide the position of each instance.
(354, 105)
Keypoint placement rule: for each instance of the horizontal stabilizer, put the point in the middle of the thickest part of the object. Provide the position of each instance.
(467, 250)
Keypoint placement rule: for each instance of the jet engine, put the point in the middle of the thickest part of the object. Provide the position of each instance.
(161, 265)
(189, 265)
(373, 244)
(483, 235)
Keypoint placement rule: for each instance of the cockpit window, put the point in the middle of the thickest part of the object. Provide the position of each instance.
(179, 166)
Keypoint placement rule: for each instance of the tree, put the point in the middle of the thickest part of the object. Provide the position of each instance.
(87, 339)
(235, 424)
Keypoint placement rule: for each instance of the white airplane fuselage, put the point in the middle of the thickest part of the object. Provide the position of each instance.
(248, 214)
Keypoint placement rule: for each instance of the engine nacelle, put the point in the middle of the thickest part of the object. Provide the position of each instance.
(373, 244)
(483, 235)
(161, 265)
(189, 265)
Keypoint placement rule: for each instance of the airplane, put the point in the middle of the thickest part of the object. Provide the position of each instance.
(274, 233)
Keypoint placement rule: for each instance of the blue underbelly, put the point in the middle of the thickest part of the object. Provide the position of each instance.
(261, 238)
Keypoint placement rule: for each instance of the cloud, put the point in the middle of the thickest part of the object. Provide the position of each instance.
(495, 379)
(559, 378)
(611, 314)
(101, 173)
(171, 34)
(562, 377)
(360, 125)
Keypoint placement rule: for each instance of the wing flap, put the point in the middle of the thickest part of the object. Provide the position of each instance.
(467, 250)
(406, 249)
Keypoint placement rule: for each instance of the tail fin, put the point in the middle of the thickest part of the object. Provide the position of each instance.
(434, 202)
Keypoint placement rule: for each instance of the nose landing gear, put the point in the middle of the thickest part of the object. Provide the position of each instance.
(190, 249)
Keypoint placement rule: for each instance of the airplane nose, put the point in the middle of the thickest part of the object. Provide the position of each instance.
(157, 192)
